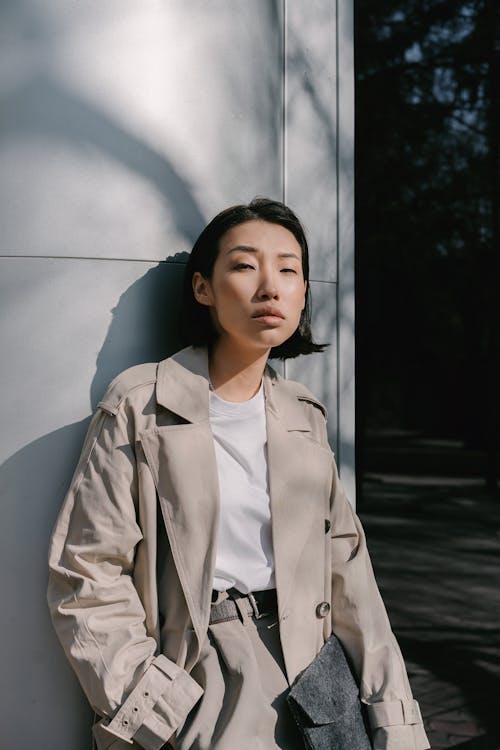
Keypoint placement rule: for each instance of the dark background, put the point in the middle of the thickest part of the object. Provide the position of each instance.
(427, 346)
(427, 268)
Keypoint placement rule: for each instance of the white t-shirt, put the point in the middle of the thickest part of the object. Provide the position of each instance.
(244, 549)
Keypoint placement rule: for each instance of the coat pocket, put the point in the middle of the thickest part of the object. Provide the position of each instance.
(325, 703)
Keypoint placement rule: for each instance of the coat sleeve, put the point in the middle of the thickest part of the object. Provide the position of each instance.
(96, 610)
(359, 619)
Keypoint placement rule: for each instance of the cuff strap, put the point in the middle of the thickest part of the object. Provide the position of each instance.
(391, 713)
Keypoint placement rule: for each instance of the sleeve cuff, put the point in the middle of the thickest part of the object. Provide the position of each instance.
(397, 725)
(155, 708)
(390, 713)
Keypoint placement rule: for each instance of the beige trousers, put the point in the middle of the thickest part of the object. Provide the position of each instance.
(243, 707)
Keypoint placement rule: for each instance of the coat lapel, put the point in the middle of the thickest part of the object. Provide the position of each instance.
(183, 463)
(299, 482)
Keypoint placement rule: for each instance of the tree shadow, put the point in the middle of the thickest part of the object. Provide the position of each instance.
(45, 107)
(33, 480)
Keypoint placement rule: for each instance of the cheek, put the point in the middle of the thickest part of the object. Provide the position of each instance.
(300, 299)
(227, 298)
(227, 294)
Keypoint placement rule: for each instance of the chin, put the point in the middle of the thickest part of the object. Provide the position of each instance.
(270, 342)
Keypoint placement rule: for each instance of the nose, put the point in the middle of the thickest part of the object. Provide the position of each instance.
(268, 288)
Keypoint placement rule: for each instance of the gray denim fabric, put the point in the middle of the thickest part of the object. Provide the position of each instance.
(325, 703)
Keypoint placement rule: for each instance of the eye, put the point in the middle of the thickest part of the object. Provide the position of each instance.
(288, 270)
(242, 266)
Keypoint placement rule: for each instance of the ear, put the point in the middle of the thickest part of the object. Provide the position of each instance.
(201, 289)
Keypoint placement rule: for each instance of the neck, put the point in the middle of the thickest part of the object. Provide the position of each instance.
(236, 374)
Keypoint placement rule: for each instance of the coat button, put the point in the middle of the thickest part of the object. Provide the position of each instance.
(322, 609)
(328, 525)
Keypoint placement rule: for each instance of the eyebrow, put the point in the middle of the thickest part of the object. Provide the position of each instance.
(250, 249)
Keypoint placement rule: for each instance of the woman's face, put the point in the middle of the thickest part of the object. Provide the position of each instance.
(257, 290)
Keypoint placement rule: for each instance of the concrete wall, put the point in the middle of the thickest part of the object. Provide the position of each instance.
(124, 126)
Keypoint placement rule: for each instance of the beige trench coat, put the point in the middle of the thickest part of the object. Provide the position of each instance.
(132, 557)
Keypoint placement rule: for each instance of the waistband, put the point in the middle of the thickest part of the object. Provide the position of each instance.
(255, 604)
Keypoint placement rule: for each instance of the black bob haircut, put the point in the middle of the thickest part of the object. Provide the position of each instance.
(196, 324)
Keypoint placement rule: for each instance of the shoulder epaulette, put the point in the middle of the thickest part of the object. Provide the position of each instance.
(302, 393)
(126, 381)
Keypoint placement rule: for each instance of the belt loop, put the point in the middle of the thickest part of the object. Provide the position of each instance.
(242, 609)
(254, 605)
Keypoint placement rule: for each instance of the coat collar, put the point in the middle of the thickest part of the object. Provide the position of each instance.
(183, 387)
(182, 384)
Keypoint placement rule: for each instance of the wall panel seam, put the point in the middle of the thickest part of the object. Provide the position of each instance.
(284, 93)
(337, 191)
(93, 258)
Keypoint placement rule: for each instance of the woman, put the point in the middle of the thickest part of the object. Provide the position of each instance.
(206, 549)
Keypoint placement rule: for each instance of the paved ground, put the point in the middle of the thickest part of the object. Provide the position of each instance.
(435, 545)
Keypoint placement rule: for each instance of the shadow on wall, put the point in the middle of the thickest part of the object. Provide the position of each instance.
(45, 107)
(144, 324)
(33, 481)
(36, 479)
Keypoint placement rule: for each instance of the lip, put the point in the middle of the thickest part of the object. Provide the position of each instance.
(268, 312)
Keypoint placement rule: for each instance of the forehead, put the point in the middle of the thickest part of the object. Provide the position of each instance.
(260, 235)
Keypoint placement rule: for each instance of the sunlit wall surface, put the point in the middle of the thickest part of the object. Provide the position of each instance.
(124, 126)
